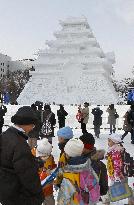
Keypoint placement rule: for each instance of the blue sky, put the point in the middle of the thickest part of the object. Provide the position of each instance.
(25, 25)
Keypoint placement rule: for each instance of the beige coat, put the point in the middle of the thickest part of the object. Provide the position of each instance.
(111, 116)
(85, 112)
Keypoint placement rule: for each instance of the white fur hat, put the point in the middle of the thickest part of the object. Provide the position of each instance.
(116, 138)
(74, 147)
(44, 148)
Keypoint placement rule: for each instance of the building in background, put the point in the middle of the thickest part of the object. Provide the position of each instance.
(4, 64)
(7, 64)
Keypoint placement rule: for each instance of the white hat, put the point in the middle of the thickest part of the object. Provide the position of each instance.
(116, 138)
(44, 148)
(74, 147)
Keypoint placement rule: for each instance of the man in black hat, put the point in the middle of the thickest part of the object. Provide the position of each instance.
(19, 180)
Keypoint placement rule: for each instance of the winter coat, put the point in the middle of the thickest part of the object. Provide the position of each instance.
(101, 170)
(97, 116)
(85, 114)
(71, 179)
(114, 162)
(130, 118)
(61, 113)
(111, 117)
(3, 110)
(129, 96)
(19, 180)
(126, 126)
(49, 165)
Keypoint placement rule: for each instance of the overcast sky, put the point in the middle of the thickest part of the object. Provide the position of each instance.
(25, 25)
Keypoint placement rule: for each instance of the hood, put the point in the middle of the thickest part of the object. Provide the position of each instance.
(78, 164)
(116, 147)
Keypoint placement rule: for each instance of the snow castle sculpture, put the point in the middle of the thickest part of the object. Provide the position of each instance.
(73, 69)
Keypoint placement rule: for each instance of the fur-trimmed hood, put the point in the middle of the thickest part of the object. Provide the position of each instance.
(116, 147)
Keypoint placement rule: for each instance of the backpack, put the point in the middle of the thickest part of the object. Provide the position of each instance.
(79, 116)
(128, 164)
(116, 115)
(89, 190)
(47, 127)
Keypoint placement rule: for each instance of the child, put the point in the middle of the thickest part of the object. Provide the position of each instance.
(64, 135)
(77, 187)
(99, 167)
(114, 158)
(43, 151)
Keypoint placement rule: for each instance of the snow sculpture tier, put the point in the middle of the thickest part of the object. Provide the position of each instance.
(73, 69)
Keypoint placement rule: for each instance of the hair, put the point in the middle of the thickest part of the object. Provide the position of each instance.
(87, 138)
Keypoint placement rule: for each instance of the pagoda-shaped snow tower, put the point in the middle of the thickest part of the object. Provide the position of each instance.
(73, 69)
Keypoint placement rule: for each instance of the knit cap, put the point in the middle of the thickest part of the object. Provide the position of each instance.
(44, 148)
(74, 147)
(65, 132)
(116, 138)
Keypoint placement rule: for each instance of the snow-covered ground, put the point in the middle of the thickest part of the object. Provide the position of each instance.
(101, 143)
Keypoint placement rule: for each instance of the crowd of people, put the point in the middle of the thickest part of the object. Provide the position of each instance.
(29, 174)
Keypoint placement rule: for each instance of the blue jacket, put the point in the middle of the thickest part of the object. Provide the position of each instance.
(129, 96)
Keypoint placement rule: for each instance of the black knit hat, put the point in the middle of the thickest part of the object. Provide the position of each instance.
(24, 116)
(87, 138)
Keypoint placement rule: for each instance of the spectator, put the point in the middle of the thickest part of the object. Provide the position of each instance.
(112, 118)
(33, 135)
(97, 120)
(131, 122)
(19, 180)
(61, 113)
(3, 111)
(126, 127)
(48, 119)
(85, 114)
(129, 97)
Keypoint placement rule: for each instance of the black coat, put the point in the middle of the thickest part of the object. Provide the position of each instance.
(3, 110)
(19, 180)
(61, 113)
(97, 116)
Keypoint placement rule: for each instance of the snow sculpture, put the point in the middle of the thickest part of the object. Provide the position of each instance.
(73, 69)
